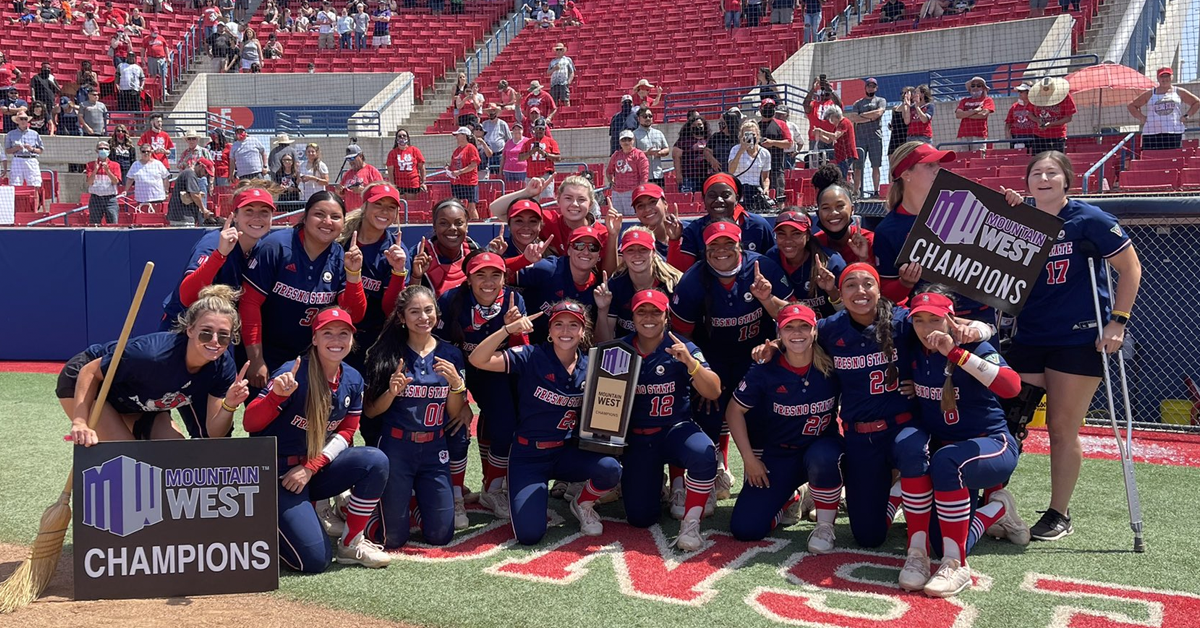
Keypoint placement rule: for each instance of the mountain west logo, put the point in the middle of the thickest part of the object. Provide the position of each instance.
(956, 217)
(614, 361)
(122, 496)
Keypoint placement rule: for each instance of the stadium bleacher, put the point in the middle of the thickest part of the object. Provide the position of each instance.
(982, 13)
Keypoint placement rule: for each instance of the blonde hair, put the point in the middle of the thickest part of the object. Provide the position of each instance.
(896, 191)
(353, 220)
(750, 125)
(820, 360)
(582, 182)
(214, 299)
(318, 404)
(662, 272)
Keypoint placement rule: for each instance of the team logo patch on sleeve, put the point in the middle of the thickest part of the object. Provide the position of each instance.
(327, 277)
(742, 386)
(994, 358)
(699, 355)
(347, 401)
(1116, 229)
(443, 456)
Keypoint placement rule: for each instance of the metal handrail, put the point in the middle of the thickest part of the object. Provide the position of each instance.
(403, 88)
(325, 121)
(714, 102)
(950, 84)
(1104, 160)
(491, 48)
(1019, 140)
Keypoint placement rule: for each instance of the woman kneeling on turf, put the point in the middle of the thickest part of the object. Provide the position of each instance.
(549, 381)
(314, 427)
(796, 398)
(960, 443)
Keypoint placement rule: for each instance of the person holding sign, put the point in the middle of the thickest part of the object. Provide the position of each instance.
(960, 443)
(661, 429)
(1055, 349)
(160, 372)
(797, 400)
(312, 408)
(414, 382)
(808, 265)
(725, 305)
(549, 385)
(641, 268)
(472, 312)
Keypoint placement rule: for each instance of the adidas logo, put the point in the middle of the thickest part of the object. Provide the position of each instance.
(781, 390)
(290, 268)
(550, 377)
(840, 342)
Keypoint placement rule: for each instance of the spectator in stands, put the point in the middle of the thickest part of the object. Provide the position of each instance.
(325, 20)
(512, 166)
(114, 17)
(103, 181)
(732, 10)
(891, 11)
(496, 133)
(538, 99)
(750, 164)
(129, 85)
(784, 115)
(457, 7)
(897, 128)
(464, 171)
(917, 111)
(572, 16)
(406, 165)
(40, 120)
(345, 29)
(812, 20)
(437, 6)
(508, 98)
(158, 140)
(252, 51)
(382, 18)
(193, 151)
(818, 99)
(283, 144)
(137, 23)
(9, 73)
(271, 13)
(1037, 8)
(544, 16)
(642, 97)
(29, 17)
(753, 11)
(11, 105)
(627, 168)
(23, 145)
(156, 54)
(148, 178)
(66, 116)
(481, 145)
(932, 8)
(303, 24)
(539, 153)
(562, 74)
(1021, 119)
(235, 31)
(121, 149)
(43, 86)
(621, 122)
(691, 167)
(119, 48)
(247, 155)
(842, 139)
(782, 11)
(90, 27)
(777, 139)
(211, 16)
(722, 143)
(93, 115)
(362, 21)
(469, 104)
(764, 87)
(287, 177)
(273, 49)
(1073, 4)
(1164, 121)
(186, 205)
(1054, 109)
(973, 112)
(359, 174)
(651, 141)
(867, 115)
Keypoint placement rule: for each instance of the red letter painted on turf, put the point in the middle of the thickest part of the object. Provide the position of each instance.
(1162, 609)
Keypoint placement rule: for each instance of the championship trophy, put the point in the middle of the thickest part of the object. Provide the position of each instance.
(608, 397)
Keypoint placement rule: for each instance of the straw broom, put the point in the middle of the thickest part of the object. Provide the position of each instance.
(34, 574)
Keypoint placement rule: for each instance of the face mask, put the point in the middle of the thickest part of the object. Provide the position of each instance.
(45, 73)
(102, 154)
(241, 136)
(976, 92)
(401, 141)
(768, 112)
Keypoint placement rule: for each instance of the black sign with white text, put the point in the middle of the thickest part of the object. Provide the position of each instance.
(175, 517)
(969, 238)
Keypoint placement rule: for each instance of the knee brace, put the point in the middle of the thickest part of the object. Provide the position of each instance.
(1019, 410)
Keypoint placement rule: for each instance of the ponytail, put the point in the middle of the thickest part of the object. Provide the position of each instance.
(883, 336)
(317, 405)
(949, 403)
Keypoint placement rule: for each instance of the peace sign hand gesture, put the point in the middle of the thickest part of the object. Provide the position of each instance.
(285, 383)
(672, 224)
(354, 256)
(761, 288)
(396, 256)
(228, 237)
(537, 249)
(498, 244)
(422, 261)
(602, 295)
(398, 381)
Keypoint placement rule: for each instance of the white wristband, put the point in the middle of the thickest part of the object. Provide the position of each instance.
(335, 446)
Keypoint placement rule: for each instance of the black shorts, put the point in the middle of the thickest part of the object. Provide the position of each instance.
(65, 388)
(465, 193)
(408, 190)
(1074, 359)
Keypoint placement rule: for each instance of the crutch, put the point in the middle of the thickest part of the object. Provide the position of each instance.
(1124, 445)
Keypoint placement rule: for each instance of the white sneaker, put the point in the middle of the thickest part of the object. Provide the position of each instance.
(341, 504)
(689, 539)
(497, 502)
(589, 521)
(573, 490)
(460, 514)
(360, 551)
(1009, 526)
(710, 506)
(916, 570)
(723, 484)
(331, 523)
(790, 515)
(808, 507)
(951, 579)
(678, 501)
(822, 539)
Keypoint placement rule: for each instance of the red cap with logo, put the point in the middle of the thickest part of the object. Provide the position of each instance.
(657, 298)
(722, 230)
(376, 193)
(253, 195)
(932, 302)
(636, 237)
(795, 219)
(580, 233)
(648, 189)
(923, 154)
(569, 308)
(524, 205)
(208, 164)
(332, 315)
(796, 312)
(485, 260)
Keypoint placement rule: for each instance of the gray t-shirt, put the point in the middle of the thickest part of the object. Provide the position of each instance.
(561, 69)
(648, 139)
(246, 157)
(868, 104)
(95, 116)
(177, 210)
(361, 20)
(496, 133)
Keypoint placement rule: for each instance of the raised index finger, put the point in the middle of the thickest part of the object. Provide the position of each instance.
(228, 221)
(674, 338)
(756, 272)
(400, 367)
(296, 366)
(512, 299)
(353, 239)
(242, 373)
(534, 315)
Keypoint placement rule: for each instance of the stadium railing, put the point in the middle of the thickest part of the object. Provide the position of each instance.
(714, 102)
(1100, 166)
(490, 49)
(321, 122)
(951, 84)
(180, 59)
(1135, 36)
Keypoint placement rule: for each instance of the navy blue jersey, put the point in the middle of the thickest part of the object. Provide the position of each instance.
(296, 288)
(757, 235)
(792, 406)
(801, 280)
(548, 397)
(230, 274)
(290, 427)
(664, 389)
(153, 376)
(548, 282)
(621, 287)
(978, 410)
(492, 392)
(862, 367)
(376, 273)
(890, 235)
(729, 321)
(422, 405)
(1060, 310)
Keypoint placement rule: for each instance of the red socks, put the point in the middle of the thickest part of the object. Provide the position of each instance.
(954, 517)
(917, 496)
(358, 512)
(589, 494)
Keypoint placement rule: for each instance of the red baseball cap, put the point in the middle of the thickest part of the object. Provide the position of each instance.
(524, 205)
(569, 308)
(723, 229)
(796, 219)
(932, 302)
(1162, 71)
(636, 237)
(209, 166)
(580, 233)
(657, 298)
(377, 193)
(857, 267)
(796, 312)
(253, 195)
(923, 154)
(485, 260)
(647, 189)
(332, 315)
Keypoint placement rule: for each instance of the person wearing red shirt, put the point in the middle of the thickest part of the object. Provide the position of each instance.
(539, 99)
(359, 174)
(627, 168)
(973, 112)
(158, 140)
(156, 54)
(1021, 119)
(540, 152)
(918, 114)
(406, 164)
(1053, 109)
(464, 171)
(113, 16)
(9, 74)
(845, 150)
(103, 180)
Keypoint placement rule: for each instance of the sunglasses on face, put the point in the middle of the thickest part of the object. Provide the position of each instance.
(645, 115)
(586, 246)
(207, 335)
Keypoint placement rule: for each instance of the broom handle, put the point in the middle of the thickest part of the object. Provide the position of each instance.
(130, 317)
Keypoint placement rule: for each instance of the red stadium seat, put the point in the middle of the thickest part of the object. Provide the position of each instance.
(1148, 181)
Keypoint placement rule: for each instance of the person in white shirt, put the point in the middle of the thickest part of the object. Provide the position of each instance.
(23, 145)
(325, 20)
(314, 174)
(129, 85)
(345, 29)
(750, 164)
(247, 157)
(148, 178)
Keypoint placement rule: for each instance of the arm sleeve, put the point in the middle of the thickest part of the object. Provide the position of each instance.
(354, 301)
(262, 411)
(394, 288)
(894, 290)
(197, 280)
(1102, 229)
(677, 258)
(250, 311)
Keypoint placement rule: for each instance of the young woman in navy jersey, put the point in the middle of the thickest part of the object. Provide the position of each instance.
(726, 305)
(437, 263)
(471, 313)
(641, 268)
(650, 207)
(312, 408)
(573, 276)
(1056, 346)
(295, 273)
(959, 443)
(721, 203)
(415, 382)
(794, 398)
(835, 217)
(189, 366)
(525, 245)
(373, 228)
(811, 270)
(549, 379)
(213, 259)
(661, 430)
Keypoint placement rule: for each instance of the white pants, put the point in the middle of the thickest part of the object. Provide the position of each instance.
(25, 171)
(623, 202)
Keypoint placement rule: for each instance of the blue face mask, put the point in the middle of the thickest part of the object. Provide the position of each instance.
(102, 154)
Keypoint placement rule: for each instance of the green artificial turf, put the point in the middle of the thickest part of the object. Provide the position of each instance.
(462, 593)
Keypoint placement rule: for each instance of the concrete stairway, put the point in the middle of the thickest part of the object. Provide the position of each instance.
(1097, 39)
